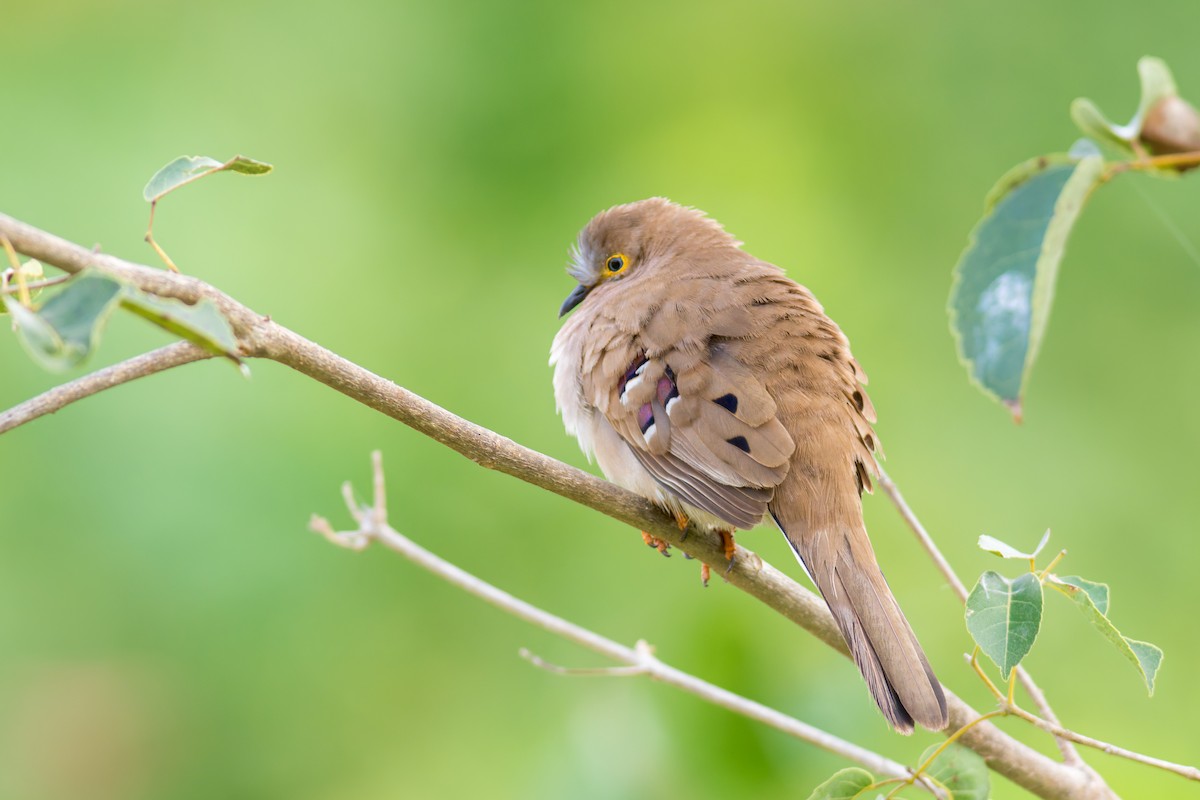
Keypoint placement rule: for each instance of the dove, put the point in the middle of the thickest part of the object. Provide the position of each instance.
(711, 383)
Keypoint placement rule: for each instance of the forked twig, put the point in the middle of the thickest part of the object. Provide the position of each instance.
(373, 525)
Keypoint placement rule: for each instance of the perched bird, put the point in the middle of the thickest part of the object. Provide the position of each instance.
(711, 383)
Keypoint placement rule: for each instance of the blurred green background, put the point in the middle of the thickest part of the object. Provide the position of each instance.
(169, 628)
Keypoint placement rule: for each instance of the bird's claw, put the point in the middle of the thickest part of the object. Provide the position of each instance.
(656, 543)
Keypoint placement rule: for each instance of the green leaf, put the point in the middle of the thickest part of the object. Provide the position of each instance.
(1096, 592)
(1004, 280)
(1149, 659)
(845, 784)
(1157, 84)
(66, 328)
(960, 770)
(1092, 122)
(1004, 616)
(993, 545)
(186, 169)
(201, 323)
(1092, 599)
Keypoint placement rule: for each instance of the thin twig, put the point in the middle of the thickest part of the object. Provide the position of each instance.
(373, 526)
(1069, 753)
(1189, 772)
(172, 355)
(39, 284)
(893, 492)
(1008, 707)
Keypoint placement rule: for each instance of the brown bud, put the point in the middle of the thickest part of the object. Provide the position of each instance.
(1171, 126)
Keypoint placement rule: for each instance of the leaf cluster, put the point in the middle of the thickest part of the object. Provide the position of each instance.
(1004, 281)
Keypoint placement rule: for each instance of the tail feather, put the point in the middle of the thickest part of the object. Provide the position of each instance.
(883, 645)
(909, 688)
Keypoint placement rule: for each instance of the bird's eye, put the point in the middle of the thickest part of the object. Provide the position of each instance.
(616, 263)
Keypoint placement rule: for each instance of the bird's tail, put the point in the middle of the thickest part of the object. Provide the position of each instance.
(842, 564)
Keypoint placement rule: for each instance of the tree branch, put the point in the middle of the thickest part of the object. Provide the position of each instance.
(261, 337)
(640, 660)
(173, 355)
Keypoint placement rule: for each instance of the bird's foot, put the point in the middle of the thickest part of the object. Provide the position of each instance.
(728, 545)
(682, 521)
(656, 543)
(729, 548)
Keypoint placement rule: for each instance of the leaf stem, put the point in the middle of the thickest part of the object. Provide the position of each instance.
(150, 238)
(1041, 576)
(983, 675)
(1146, 163)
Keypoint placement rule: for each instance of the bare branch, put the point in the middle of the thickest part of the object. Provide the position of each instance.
(261, 337)
(173, 355)
(640, 660)
(1191, 773)
(893, 492)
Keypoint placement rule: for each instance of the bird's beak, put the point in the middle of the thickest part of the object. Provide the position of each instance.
(574, 299)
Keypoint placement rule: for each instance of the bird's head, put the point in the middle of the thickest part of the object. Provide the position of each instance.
(645, 240)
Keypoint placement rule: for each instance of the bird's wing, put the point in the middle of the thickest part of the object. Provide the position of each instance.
(693, 414)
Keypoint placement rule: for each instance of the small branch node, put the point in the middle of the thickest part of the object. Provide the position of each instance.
(605, 672)
(645, 650)
(379, 508)
(351, 540)
(352, 504)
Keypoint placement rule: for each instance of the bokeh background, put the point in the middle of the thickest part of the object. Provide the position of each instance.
(169, 628)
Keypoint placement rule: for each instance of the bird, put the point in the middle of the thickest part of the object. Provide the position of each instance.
(711, 383)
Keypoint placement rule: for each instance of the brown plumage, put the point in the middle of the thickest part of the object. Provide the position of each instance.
(710, 382)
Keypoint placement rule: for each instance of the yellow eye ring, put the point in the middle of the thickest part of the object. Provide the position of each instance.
(616, 264)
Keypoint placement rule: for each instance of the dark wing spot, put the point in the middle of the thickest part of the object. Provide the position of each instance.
(862, 477)
(729, 402)
(740, 443)
(858, 399)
